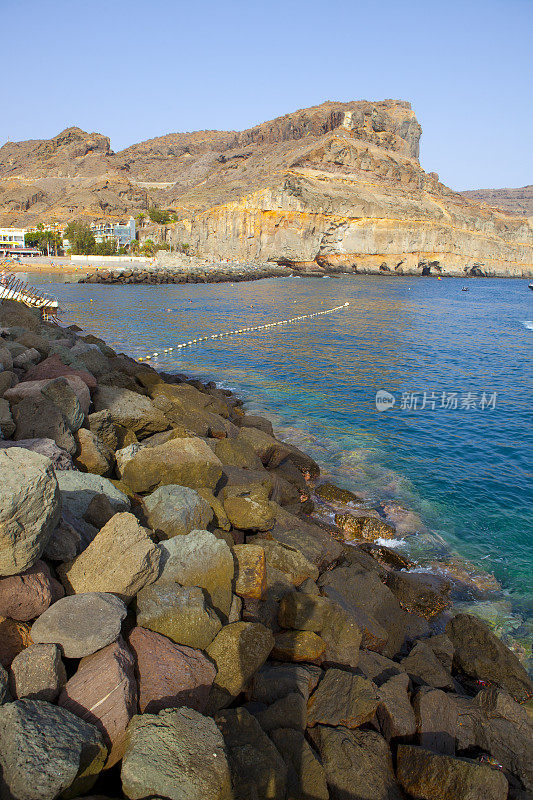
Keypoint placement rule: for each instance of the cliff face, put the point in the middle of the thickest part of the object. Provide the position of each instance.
(336, 186)
(518, 201)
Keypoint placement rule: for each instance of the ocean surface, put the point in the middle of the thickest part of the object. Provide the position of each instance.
(451, 461)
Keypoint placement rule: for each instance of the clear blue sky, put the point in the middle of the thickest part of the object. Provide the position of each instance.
(139, 69)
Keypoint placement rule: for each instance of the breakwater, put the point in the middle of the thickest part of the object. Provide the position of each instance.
(165, 590)
(198, 274)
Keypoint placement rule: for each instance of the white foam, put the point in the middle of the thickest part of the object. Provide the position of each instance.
(528, 323)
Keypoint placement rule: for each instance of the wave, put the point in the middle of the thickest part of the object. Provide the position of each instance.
(528, 323)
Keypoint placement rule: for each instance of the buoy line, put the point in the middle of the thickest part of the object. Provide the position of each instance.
(245, 330)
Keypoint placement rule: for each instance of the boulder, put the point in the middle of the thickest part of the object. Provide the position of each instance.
(377, 668)
(6, 359)
(363, 527)
(420, 593)
(14, 314)
(70, 537)
(78, 489)
(360, 591)
(125, 454)
(342, 698)
(53, 367)
(7, 426)
(483, 657)
(63, 395)
(317, 546)
(248, 514)
(103, 691)
(303, 612)
(251, 579)
(38, 673)
(60, 459)
(287, 712)
(236, 453)
(238, 651)
(342, 637)
(177, 753)
(7, 380)
(199, 558)
(255, 421)
(14, 637)
(298, 646)
(506, 732)
(27, 595)
(91, 454)
(423, 667)
(121, 559)
(185, 462)
(178, 612)
(169, 675)
(289, 560)
(5, 694)
(99, 512)
(81, 624)
(274, 681)
(257, 769)
(431, 776)
(436, 720)
(132, 410)
(40, 418)
(334, 494)
(306, 777)
(442, 648)
(27, 358)
(29, 508)
(45, 750)
(102, 425)
(395, 714)
(358, 764)
(176, 510)
(270, 451)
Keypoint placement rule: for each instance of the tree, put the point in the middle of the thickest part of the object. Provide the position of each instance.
(140, 219)
(134, 246)
(159, 216)
(48, 242)
(148, 248)
(81, 238)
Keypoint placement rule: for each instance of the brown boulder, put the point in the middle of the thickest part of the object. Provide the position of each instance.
(169, 675)
(103, 691)
(298, 646)
(342, 698)
(53, 367)
(27, 595)
(431, 776)
(251, 581)
(38, 673)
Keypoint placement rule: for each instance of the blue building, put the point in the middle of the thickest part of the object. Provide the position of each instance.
(122, 232)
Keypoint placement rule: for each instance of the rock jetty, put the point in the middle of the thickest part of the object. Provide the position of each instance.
(196, 271)
(174, 623)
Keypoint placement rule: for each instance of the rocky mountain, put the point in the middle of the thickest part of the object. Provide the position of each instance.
(518, 201)
(338, 186)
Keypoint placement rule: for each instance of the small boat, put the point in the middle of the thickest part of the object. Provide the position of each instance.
(531, 286)
(464, 289)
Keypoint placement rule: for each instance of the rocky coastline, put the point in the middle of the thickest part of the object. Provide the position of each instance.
(191, 273)
(174, 622)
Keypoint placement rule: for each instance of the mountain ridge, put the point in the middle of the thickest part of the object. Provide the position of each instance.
(338, 185)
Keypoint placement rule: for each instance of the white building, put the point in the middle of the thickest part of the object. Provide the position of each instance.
(12, 240)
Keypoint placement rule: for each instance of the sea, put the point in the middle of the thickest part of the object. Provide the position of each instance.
(415, 392)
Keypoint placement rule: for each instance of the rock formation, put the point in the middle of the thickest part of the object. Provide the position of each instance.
(336, 187)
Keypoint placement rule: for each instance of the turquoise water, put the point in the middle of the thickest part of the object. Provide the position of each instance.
(465, 474)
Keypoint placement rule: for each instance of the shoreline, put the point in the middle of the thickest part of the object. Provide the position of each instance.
(248, 617)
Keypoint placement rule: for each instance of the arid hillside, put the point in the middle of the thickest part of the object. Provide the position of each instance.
(338, 186)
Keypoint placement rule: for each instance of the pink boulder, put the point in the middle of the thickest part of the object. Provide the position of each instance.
(103, 692)
(27, 595)
(170, 675)
(53, 367)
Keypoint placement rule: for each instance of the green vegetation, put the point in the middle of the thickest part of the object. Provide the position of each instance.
(159, 216)
(48, 242)
(183, 247)
(81, 239)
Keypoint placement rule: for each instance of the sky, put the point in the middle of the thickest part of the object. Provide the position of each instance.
(139, 69)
